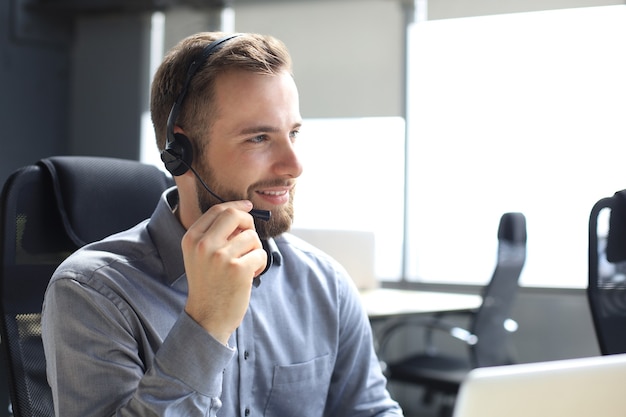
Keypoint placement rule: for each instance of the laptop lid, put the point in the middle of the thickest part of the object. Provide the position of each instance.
(581, 387)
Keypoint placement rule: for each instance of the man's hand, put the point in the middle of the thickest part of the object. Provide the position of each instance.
(222, 254)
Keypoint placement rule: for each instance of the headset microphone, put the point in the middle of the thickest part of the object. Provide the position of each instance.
(178, 153)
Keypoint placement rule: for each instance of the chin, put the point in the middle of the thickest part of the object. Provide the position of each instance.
(279, 223)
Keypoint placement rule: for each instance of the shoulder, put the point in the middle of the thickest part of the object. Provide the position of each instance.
(130, 248)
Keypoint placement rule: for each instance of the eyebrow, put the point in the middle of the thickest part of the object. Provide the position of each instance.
(261, 128)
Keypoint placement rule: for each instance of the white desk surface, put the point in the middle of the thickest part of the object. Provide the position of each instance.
(387, 302)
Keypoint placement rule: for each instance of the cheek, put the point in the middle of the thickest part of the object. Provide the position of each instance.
(238, 173)
(238, 170)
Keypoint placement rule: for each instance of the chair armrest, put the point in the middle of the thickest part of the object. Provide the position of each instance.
(440, 322)
(463, 335)
(511, 325)
(429, 324)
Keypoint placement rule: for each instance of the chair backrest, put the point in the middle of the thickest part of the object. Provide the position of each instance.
(49, 210)
(498, 296)
(606, 289)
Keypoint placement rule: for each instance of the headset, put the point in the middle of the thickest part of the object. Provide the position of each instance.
(178, 153)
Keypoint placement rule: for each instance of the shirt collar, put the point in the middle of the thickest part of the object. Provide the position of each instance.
(167, 233)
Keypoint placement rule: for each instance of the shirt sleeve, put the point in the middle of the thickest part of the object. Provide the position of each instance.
(359, 388)
(97, 367)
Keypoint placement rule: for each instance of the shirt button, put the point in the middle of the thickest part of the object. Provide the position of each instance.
(247, 412)
(245, 357)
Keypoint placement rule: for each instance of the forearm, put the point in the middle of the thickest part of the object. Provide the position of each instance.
(101, 364)
(182, 380)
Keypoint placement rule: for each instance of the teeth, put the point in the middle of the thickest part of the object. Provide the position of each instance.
(275, 193)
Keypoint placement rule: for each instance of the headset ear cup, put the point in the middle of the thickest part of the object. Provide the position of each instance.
(178, 155)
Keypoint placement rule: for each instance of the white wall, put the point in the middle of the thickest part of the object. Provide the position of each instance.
(348, 56)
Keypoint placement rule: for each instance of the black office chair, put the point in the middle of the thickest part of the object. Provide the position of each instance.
(606, 290)
(48, 211)
(487, 339)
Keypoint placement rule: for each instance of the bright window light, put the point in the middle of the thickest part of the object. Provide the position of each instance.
(353, 179)
(148, 150)
(522, 112)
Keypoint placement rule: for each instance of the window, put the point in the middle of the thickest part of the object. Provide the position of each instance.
(522, 112)
(353, 179)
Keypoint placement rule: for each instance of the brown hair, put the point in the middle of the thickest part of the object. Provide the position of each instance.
(250, 52)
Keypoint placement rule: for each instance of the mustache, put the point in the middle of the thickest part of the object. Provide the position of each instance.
(275, 183)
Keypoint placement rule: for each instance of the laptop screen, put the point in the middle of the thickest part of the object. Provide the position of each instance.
(583, 387)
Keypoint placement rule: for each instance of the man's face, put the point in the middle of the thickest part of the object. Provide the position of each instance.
(250, 150)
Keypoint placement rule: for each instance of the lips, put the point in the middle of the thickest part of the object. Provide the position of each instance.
(275, 196)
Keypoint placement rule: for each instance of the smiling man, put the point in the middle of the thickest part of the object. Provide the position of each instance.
(210, 308)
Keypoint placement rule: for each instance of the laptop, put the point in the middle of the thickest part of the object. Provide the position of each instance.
(583, 387)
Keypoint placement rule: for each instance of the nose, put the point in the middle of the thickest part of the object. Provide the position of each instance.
(287, 162)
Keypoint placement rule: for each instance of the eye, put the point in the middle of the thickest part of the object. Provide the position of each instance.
(294, 134)
(258, 139)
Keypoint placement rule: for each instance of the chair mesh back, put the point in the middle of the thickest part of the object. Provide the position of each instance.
(48, 211)
(499, 294)
(606, 289)
(31, 393)
(32, 247)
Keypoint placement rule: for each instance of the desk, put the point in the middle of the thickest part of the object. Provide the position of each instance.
(386, 302)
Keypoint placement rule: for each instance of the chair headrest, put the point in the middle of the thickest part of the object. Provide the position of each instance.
(99, 196)
(616, 239)
(512, 228)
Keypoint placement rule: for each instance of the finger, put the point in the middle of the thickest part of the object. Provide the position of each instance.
(223, 221)
(231, 235)
(247, 249)
(244, 243)
(257, 260)
(206, 220)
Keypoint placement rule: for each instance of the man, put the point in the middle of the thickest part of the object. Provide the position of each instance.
(204, 309)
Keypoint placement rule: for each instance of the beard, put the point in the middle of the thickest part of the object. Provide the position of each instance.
(280, 220)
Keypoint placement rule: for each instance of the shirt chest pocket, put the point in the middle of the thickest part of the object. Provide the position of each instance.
(300, 389)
